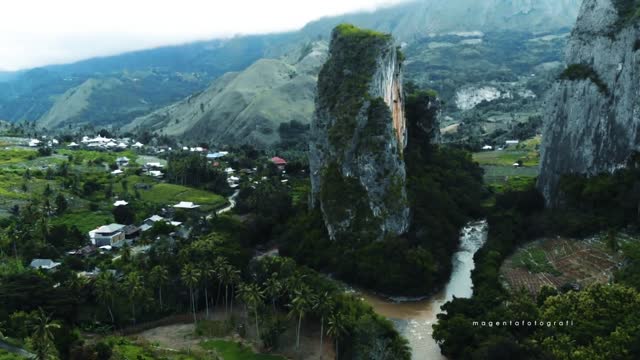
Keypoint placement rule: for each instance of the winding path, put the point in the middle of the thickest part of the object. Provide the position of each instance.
(232, 203)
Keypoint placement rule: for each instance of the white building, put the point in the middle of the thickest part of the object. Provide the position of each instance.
(107, 235)
(34, 143)
(186, 205)
(46, 264)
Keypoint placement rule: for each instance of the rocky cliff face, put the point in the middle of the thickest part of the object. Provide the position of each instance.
(592, 119)
(357, 137)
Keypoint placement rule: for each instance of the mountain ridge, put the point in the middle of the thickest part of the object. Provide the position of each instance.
(244, 106)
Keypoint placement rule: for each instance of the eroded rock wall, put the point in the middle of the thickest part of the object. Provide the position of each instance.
(592, 124)
(357, 138)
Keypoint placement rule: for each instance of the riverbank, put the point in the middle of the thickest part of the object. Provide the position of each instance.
(415, 319)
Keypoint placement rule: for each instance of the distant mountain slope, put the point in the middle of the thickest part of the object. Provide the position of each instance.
(115, 100)
(244, 107)
(28, 95)
(171, 73)
(420, 18)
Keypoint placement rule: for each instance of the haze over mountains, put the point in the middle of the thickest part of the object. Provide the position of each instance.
(134, 88)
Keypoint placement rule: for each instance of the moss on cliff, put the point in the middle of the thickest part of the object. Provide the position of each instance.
(344, 198)
(344, 79)
(628, 11)
(375, 133)
(584, 72)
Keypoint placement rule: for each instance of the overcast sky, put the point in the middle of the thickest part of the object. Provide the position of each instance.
(41, 32)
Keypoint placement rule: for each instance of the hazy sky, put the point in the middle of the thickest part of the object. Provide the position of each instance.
(40, 32)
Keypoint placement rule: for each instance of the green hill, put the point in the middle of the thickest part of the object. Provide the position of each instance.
(247, 106)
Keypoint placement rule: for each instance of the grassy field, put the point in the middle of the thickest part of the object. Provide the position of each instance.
(12, 193)
(506, 157)
(126, 349)
(82, 156)
(230, 350)
(502, 174)
(171, 194)
(14, 156)
(85, 220)
(498, 165)
(227, 350)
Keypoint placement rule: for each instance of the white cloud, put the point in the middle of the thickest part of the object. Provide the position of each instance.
(39, 32)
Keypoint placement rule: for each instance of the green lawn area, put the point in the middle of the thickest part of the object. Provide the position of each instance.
(502, 176)
(230, 350)
(82, 156)
(171, 194)
(129, 350)
(85, 220)
(10, 186)
(14, 156)
(506, 157)
(498, 165)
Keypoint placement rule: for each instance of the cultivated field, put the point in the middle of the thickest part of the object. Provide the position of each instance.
(560, 261)
(498, 164)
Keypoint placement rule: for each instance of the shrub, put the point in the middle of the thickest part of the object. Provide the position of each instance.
(583, 72)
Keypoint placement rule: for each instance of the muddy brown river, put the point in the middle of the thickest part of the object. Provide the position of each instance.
(414, 318)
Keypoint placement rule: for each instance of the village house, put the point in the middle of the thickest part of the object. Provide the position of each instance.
(217, 155)
(122, 161)
(131, 232)
(107, 234)
(34, 143)
(279, 162)
(186, 205)
(45, 264)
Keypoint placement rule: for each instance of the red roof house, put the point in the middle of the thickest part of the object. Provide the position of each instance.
(278, 161)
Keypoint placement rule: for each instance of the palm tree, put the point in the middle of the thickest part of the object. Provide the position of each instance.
(207, 274)
(227, 276)
(218, 267)
(253, 296)
(126, 253)
(43, 226)
(299, 307)
(191, 278)
(273, 289)
(336, 328)
(233, 280)
(159, 276)
(106, 287)
(133, 287)
(323, 305)
(42, 335)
